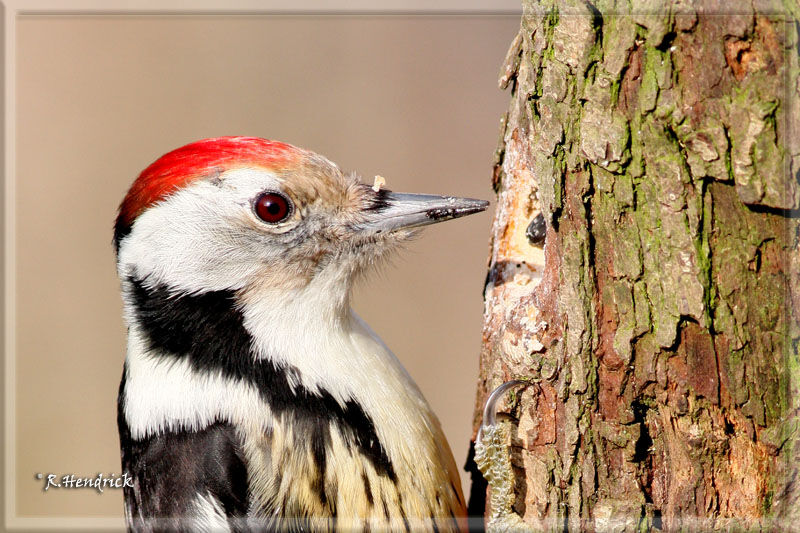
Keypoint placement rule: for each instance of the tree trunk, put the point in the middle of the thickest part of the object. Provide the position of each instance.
(649, 304)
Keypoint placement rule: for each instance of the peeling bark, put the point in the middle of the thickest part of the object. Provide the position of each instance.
(658, 152)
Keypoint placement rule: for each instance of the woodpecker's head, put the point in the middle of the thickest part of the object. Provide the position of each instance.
(248, 214)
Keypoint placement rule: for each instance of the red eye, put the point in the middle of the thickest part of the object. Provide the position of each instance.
(273, 207)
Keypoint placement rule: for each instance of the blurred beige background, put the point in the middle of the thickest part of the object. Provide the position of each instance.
(413, 98)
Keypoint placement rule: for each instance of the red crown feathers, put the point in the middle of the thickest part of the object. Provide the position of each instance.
(199, 159)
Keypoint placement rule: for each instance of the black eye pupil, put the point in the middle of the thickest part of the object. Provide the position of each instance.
(272, 207)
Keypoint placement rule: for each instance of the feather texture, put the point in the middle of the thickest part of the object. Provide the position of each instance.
(253, 396)
(196, 387)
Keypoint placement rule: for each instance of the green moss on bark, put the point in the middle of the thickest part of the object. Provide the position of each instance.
(660, 151)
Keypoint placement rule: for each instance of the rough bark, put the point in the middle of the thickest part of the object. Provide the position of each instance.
(654, 320)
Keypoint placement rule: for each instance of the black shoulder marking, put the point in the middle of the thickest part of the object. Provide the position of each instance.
(170, 470)
(207, 330)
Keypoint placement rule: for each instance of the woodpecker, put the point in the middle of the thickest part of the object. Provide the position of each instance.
(252, 396)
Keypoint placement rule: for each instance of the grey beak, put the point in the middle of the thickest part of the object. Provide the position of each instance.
(397, 210)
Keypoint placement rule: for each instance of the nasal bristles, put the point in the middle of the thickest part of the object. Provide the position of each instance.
(380, 200)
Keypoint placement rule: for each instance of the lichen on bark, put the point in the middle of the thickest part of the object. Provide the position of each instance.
(661, 145)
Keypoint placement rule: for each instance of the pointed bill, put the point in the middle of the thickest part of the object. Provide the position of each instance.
(405, 210)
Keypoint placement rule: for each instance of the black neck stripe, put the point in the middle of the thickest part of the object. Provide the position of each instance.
(207, 330)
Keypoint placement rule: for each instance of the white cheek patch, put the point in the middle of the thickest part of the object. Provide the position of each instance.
(163, 393)
(197, 239)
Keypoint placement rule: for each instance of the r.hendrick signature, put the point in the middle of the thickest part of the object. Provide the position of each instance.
(98, 483)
